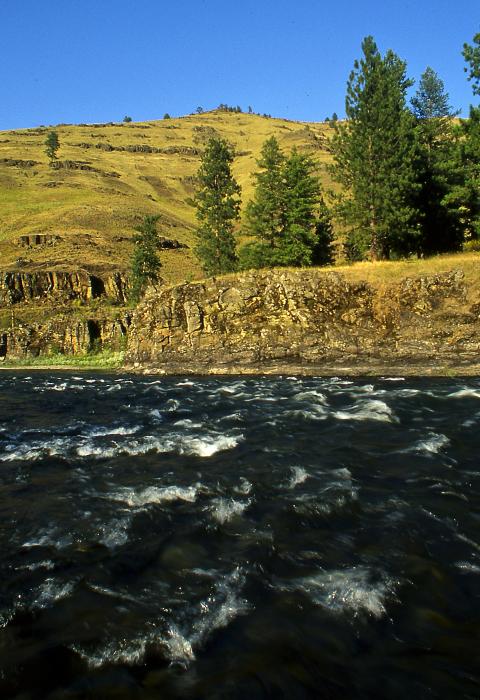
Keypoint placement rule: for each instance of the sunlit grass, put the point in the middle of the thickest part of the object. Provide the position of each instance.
(105, 359)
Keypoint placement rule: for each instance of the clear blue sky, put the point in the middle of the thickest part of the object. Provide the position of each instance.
(98, 60)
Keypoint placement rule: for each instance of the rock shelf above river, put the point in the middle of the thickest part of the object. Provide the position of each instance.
(305, 320)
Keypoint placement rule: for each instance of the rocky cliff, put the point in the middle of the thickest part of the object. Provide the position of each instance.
(63, 334)
(306, 320)
(23, 286)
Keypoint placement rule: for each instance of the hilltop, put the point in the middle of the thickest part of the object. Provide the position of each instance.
(110, 175)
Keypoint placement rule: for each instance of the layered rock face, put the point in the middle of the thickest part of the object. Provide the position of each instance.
(62, 334)
(307, 319)
(16, 287)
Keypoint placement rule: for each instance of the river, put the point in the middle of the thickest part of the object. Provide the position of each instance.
(239, 537)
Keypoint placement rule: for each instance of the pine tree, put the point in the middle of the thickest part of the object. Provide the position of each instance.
(322, 253)
(302, 200)
(471, 55)
(374, 158)
(265, 213)
(469, 146)
(431, 101)
(52, 144)
(218, 204)
(145, 262)
(283, 216)
(440, 217)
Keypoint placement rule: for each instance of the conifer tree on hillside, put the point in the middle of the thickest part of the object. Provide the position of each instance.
(287, 217)
(218, 204)
(265, 213)
(52, 144)
(438, 170)
(374, 158)
(431, 101)
(145, 262)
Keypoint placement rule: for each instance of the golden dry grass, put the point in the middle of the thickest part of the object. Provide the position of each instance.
(39, 199)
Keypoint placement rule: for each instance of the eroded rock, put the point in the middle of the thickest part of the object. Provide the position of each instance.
(304, 317)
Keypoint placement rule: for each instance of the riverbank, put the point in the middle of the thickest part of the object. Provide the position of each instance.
(274, 370)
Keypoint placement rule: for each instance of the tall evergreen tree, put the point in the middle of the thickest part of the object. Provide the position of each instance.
(322, 253)
(374, 158)
(145, 262)
(438, 171)
(300, 242)
(469, 149)
(218, 204)
(283, 216)
(265, 213)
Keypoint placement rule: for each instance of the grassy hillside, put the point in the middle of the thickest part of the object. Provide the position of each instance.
(111, 183)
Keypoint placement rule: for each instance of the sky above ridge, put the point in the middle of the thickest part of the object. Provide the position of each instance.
(72, 61)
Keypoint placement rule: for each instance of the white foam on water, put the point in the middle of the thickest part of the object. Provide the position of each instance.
(204, 446)
(46, 564)
(88, 448)
(29, 452)
(367, 409)
(208, 445)
(178, 648)
(468, 567)
(115, 533)
(178, 640)
(325, 502)
(119, 430)
(6, 616)
(236, 417)
(433, 444)
(312, 395)
(349, 590)
(465, 393)
(157, 415)
(48, 538)
(393, 379)
(155, 494)
(224, 509)
(187, 423)
(123, 651)
(343, 473)
(314, 412)
(244, 488)
(299, 475)
(213, 613)
(336, 495)
(365, 389)
(406, 393)
(230, 388)
(110, 593)
(51, 591)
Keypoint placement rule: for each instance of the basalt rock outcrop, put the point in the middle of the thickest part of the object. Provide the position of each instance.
(63, 334)
(306, 320)
(23, 286)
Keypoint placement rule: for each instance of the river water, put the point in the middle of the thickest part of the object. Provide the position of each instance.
(239, 537)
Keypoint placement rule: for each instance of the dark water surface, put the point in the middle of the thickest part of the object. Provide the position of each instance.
(239, 537)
